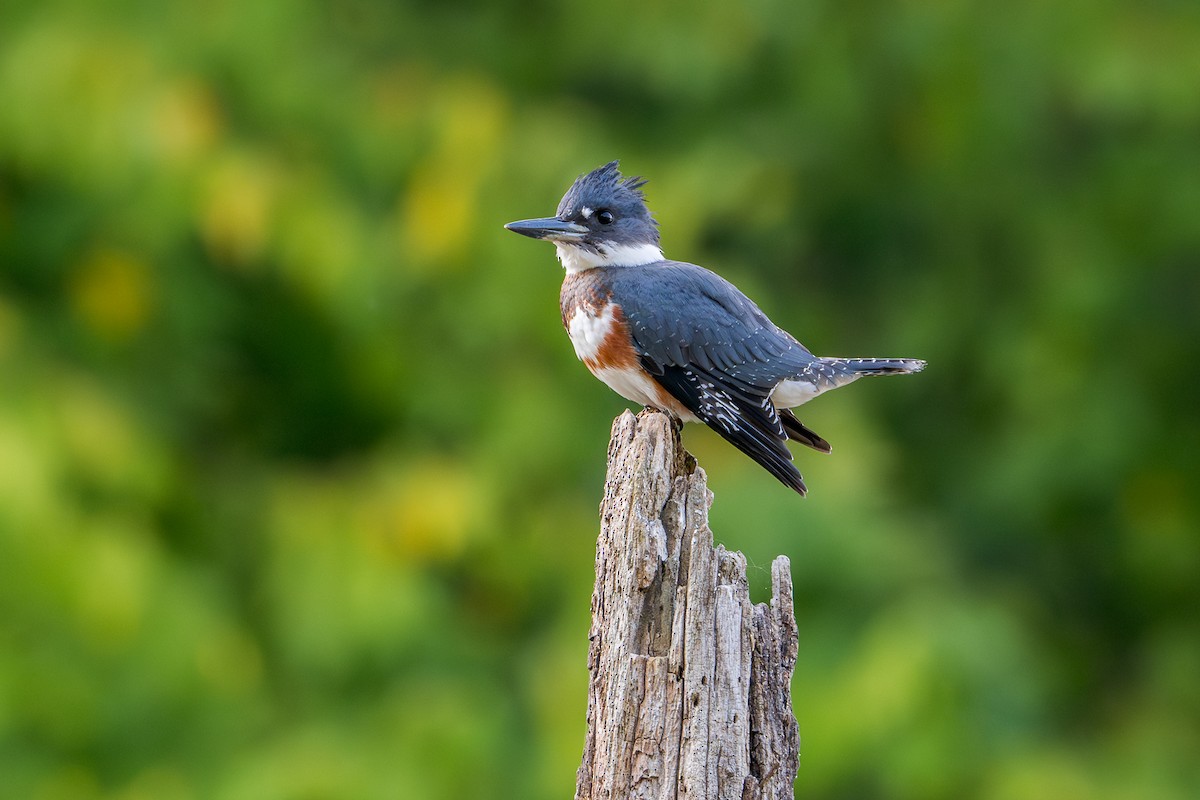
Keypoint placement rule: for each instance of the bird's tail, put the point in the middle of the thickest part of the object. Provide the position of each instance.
(876, 366)
(829, 373)
(822, 374)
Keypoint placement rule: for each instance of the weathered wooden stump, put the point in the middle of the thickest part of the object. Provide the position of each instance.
(689, 691)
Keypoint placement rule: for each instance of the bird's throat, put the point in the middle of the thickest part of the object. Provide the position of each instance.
(577, 259)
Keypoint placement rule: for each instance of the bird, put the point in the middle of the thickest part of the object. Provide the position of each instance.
(679, 338)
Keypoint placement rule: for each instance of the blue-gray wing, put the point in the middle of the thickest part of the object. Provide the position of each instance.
(716, 352)
(684, 315)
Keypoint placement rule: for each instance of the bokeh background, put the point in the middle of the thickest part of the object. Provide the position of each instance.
(299, 473)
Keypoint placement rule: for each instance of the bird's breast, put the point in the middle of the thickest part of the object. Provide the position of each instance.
(600, 335)
(595, 322)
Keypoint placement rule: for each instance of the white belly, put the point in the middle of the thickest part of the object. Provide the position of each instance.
(630, 384)
(637, 386)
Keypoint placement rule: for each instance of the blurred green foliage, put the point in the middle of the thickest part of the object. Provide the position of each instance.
(298, 472)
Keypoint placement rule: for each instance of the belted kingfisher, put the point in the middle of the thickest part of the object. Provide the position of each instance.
(679, 338)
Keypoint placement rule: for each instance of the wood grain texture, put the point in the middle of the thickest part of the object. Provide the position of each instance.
(689, 690)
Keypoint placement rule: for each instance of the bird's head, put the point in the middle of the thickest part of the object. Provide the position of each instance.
(602, 220)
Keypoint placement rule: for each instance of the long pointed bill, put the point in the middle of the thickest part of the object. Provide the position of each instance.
(552, 228)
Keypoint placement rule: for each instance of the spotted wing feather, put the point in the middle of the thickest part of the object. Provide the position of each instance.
(750, 424)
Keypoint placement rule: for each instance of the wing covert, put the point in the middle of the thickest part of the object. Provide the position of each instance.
(684, 315)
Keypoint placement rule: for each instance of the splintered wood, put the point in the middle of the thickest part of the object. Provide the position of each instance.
(689, 690)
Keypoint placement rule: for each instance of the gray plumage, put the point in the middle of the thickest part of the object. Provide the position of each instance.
(681, 314)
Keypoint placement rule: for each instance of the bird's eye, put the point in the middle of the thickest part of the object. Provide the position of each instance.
(605, 217)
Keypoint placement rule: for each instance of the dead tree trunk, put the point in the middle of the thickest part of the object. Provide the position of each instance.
(689, 690)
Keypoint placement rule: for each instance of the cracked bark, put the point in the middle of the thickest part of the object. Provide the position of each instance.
(689, 689)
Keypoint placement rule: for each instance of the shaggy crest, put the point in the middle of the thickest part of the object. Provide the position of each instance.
(603, 187)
